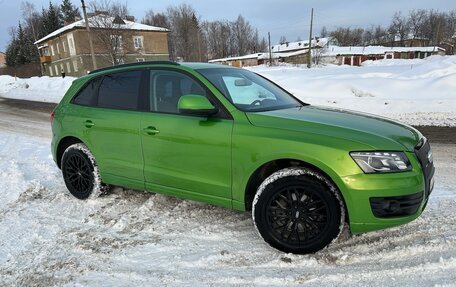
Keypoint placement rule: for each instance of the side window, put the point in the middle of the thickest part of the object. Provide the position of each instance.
(166, 88)
(87, 95)
(120, 90)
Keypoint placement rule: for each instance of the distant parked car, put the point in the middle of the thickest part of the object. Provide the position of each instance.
(232, 138)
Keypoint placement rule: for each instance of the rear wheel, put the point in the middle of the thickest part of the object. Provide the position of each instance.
(297, 210)
(80, 172)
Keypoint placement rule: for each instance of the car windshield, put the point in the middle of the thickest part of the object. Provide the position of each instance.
(248, 91)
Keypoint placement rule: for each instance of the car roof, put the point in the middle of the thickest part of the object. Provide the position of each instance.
(191, 65)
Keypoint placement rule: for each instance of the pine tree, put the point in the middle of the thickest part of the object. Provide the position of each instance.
(11, 52)
(52, 19)
(21, 57)
(68, 12)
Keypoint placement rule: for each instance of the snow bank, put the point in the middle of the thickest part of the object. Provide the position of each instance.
(41, 89)
(418, 92)
(132, 238)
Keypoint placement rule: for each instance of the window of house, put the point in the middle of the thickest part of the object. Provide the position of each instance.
(120, 90)
(61, 68)
(75, 65)
(58, 49)
(64, 46)
(50, 71)
(56, 70)
(68, 67)
(139, 59)
(138, 42)
(52, 50)
(87, 95)
(71, 44)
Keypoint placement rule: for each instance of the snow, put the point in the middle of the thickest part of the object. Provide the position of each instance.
(376, 50)
(293, 46)
(133, 238)
(417, 92)
(40, 89)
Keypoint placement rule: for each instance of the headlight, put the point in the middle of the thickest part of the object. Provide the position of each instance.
(378, 162)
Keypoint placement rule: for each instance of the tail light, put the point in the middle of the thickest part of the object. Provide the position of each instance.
(52, 116)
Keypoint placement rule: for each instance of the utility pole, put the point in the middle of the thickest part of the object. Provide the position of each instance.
(309, 53)
(92, 53)
(269, 46)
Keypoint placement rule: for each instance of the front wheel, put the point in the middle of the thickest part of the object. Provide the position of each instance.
(80, 172)
(297, 210)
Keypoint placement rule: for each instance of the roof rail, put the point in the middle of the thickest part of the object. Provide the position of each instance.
(135, 64)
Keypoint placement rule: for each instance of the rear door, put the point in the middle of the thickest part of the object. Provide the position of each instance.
(110, 122)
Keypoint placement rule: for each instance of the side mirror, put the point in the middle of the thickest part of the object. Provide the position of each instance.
(196, 105)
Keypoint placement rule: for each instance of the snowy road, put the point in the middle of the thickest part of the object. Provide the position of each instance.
(131, 238)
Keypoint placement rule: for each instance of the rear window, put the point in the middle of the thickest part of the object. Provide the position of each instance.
(120, 90)
(87, 95)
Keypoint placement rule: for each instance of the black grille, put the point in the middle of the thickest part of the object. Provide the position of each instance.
(395, 206)
(422, 152)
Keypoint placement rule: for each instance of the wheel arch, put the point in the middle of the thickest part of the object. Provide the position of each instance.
(268, 168)
(64, 143)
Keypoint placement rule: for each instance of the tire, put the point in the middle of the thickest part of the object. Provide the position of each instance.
(297, 210)
(80, 172)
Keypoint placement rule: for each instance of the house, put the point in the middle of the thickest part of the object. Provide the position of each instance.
(326, 51)
(241, 61)
(354, 56)
(2, 60)
(115, 41)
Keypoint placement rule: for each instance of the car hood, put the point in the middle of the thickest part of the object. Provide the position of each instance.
(368, 130)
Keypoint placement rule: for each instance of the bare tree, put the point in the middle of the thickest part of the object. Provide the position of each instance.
(318, 53)
(324, 32)
(186, 33)
(115, 37)
(416, 22)
(399, 28)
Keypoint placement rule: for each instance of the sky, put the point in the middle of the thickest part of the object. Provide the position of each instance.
(290, 18)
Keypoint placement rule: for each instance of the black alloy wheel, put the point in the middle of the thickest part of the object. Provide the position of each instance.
(78, 173)
(297, 214)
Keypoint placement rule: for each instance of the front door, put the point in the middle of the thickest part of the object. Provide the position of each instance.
(189, 155)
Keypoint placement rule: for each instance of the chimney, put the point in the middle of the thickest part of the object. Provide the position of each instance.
(130, 18)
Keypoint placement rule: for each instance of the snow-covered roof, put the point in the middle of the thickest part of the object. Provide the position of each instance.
(249, 56)
(94, 22)
(299, 45)
(333, 51)
(375, 50)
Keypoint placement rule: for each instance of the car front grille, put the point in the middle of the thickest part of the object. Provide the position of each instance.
(424, 154)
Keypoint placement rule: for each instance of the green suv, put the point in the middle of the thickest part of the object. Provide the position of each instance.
(232, 138)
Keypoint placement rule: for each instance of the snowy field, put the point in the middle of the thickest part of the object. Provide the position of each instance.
(417, 92)
(132, 238)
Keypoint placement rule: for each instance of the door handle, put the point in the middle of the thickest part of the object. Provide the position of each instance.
(88, 124)
(151, 131)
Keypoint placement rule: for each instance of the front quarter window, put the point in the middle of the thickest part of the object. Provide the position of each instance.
(248, 91)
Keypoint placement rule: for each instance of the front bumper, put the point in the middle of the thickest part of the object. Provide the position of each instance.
(378, 201)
